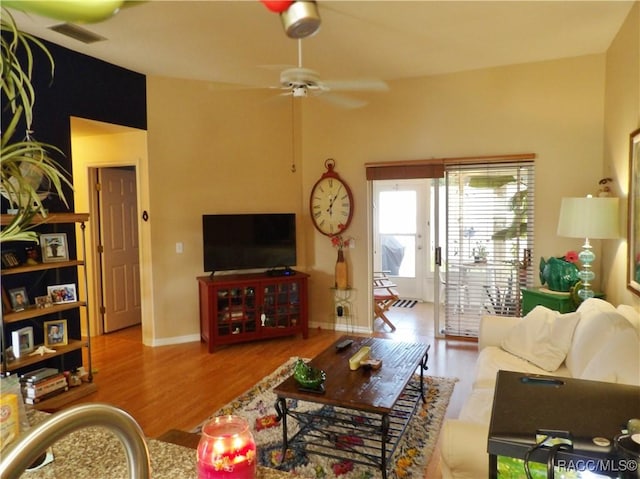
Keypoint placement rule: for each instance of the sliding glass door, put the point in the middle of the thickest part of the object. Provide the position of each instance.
(486, 253)
(458, 232)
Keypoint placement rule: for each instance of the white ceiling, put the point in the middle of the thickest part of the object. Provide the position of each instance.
(234, 41)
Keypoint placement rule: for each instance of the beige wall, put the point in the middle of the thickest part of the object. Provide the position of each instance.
(553, 109)
(622, 116)
(213, 151)
(210, 151)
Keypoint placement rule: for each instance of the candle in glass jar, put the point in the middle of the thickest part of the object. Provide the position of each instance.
(226, 449)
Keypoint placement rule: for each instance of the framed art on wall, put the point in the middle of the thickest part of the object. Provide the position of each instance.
(54, 247)
(55, 333)
(633, 221)
(22, 341)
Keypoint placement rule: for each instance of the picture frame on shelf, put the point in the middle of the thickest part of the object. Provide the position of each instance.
(62, 293)
(55, 333)
(6, 303)
(54, 247)
(32, 252)
(22, 341)
(43, 301)
(633, 210)
(19, 298)
(9, 353)
(9, 259)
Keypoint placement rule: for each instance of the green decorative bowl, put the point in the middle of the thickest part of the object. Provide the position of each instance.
(308, 377)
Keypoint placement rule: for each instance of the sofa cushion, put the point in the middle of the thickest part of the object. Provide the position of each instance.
(492, 359)
(631, 315)
(598, 319)
(463, 448)
(478, 406)
(543, 337)
(618, 361)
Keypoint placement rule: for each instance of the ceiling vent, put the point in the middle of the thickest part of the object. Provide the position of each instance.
(77, 33)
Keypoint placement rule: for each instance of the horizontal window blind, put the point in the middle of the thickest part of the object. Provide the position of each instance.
(489, 242)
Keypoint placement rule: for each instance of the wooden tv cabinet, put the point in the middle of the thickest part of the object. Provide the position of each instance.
(247, 307)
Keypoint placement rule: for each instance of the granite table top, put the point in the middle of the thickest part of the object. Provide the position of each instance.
(96, 453)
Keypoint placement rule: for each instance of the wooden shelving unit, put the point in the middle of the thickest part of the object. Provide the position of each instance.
(73, 394)
(33, 313)
(23, 362)
(40, 267)
(51, 218)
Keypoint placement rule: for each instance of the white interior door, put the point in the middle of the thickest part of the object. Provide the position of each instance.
(401, 234)
(120, 250)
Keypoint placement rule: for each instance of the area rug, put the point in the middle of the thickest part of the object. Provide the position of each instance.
(404, 303)
(410, 458)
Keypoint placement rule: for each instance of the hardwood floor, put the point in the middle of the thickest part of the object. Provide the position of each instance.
(178, 386)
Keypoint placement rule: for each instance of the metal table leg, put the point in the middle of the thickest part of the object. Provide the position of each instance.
(281, 410)
(423, 368)
(384, 430)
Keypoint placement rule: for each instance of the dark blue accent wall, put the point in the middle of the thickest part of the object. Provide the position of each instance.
(84, 87)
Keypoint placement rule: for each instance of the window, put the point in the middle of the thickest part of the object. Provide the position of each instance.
(398, 229)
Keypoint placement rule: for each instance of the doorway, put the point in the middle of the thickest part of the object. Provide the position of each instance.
(401, 235)
(116, 211)
(98, 146)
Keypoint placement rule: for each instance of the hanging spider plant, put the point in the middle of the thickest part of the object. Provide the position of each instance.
(24, 163)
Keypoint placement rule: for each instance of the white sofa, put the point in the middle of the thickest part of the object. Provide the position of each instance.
(598, 342)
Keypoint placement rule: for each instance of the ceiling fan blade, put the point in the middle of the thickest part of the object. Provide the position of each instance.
(75, 11)
(277, 67)
(342, 101)
(300, 82)
(355, 85)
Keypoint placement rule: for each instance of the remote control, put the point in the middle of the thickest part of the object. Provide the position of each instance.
(342, 345)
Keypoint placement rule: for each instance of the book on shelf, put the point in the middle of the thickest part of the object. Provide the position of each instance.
(38, 375)
(49, 395)
(40, 382)
(46, 386)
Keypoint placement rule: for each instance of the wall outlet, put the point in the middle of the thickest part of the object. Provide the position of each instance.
(179, 247)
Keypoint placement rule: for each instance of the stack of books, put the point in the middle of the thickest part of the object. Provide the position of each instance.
(42, 384)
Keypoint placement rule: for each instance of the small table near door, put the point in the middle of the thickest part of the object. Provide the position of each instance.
(556, 300)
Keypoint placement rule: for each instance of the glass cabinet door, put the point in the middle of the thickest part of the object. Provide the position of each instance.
(281, 305)
(236, 309)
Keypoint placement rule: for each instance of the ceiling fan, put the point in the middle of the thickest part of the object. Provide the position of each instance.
(301, 82)
(77, 11)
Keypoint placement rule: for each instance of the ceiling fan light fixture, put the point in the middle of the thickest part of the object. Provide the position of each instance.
(301, 19)
(299, 91)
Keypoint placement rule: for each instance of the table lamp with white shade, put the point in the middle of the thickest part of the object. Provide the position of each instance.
(589, 218)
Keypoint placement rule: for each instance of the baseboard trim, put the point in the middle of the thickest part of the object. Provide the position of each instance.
(191, 338)
(347, 328)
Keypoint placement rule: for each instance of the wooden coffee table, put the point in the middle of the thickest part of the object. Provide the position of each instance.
(371, 408)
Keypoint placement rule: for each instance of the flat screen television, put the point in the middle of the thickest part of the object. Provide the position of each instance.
(248, 241)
